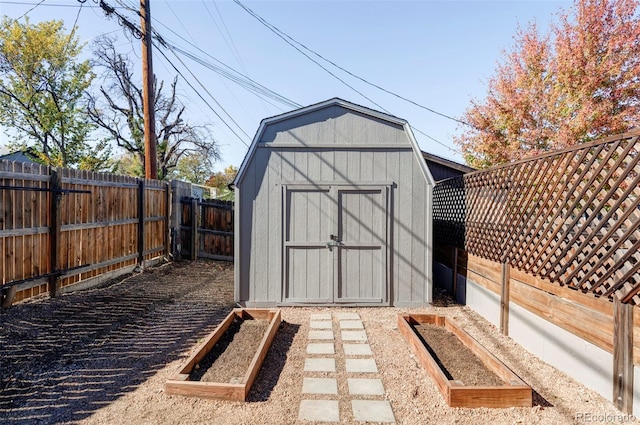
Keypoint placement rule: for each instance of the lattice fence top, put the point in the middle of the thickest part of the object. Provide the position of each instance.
(572, 216)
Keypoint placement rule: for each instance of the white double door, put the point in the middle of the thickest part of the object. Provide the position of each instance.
(335, 244)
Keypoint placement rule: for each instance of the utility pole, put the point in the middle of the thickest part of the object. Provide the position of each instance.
(150, 158)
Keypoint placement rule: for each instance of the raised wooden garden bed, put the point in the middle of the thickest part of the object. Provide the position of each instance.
(191, 381)
(510, 390)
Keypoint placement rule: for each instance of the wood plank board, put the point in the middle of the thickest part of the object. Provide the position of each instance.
(514, 392)
(180, 384)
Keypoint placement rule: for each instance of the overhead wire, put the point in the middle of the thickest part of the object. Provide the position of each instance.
(269, 26)
(27, 12)
(203, 99)
(230, 73)
(241, 79)
(227, 38)
(179, 21)
(290, 40)
(294, 43)
(248, 85)
(136, 32)
(129, 7)
(230, 44)
(73, 27)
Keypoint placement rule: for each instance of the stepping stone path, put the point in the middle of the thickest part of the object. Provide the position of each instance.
(359, 374)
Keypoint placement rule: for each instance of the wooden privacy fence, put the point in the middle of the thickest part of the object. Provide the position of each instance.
(206, 229)
(62, 227)
(548, 234)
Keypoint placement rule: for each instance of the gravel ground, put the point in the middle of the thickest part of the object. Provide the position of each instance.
(102, 357)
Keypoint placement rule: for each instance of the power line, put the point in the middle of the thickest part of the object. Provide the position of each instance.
(290, 40)
(435, 140)
(275, 31)
(110, 10)
(298, 105)
(202, 98)
(179, 20)
(21, 3)
(241, 80)
(229, 72)
(287, 39)
(27, 12)
(136, 32)
(129, 7)
(227, 38)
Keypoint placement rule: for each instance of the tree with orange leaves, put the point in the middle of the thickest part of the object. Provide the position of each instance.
(577, 83)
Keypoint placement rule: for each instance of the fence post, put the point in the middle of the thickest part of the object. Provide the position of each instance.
(167, 213)
(504, 298)
(454, 269)
(54, 231)
(194, 229)
(141, 216)
(622, 356)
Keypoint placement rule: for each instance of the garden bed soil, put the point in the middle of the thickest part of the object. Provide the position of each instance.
(455, 359)
(466, 373)
(230, 358)
(225, 365)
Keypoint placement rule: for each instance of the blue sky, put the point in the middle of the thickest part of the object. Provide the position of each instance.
(436, 53)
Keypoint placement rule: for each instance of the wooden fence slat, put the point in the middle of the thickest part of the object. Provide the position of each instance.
(167, 215)
(194, 229)
(141, 224)
(54, 237)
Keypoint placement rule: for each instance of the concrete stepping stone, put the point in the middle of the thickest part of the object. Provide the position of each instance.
(351, 324)
(361, 365)
(321, 348)
(357, 349)
(354, 335)
(360, 386)
(348, 316)
(321, 316)
(319, 410)
(322, 335)
(319, 365)
(320, 324)
(320, 386)
(372, 411)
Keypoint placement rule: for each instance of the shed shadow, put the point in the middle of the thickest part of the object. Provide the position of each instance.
(273, 363)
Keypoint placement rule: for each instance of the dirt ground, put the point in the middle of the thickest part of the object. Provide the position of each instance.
(102, 356)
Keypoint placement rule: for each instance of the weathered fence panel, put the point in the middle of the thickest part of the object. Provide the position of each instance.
(64, 228)
(206, 231)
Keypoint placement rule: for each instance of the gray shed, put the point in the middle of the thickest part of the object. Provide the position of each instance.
(333, 207)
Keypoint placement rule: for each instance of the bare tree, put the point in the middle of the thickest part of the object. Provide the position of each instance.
(118, 110)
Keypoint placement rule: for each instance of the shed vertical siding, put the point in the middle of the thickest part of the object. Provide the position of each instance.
(333, 146)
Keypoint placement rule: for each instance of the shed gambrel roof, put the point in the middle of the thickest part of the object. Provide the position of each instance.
(377, 115)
